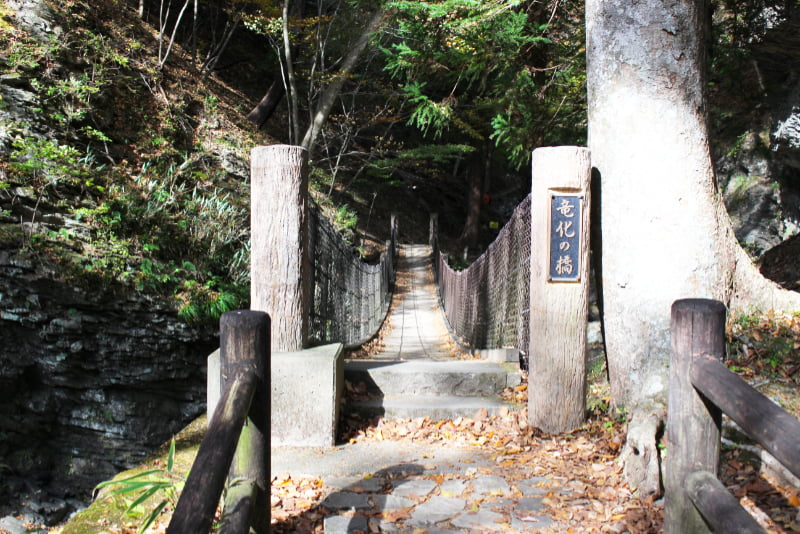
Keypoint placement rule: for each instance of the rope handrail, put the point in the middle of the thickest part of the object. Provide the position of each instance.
(487, 304)
(349, 298)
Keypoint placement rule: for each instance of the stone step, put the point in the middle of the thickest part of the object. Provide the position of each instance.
(436, 408)
(413, 379)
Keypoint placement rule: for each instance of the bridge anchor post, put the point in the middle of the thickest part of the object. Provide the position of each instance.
(559, 287)
(280, 269)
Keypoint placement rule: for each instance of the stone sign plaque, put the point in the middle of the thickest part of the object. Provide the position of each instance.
(565, 238)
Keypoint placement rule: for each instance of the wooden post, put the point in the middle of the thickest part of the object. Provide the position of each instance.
(393, 237)
(200, 497)
(559, 290)
(244, 359)
(433, 228)
(279, 263)
(244, 350)
(433, 242)
(693, 425)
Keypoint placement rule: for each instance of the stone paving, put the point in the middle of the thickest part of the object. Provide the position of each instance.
(415, 504)
(424, 488)
(421, 488)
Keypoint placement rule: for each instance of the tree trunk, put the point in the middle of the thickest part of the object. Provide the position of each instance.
(267, 105)
(665, 231)
(260, 114)
(472, 224)
(333, 90)
(294, 114)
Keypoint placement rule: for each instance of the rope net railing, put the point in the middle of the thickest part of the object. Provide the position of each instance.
(487, 305)
(349, 298)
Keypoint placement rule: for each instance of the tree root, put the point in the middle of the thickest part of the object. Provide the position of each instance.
(641, 456)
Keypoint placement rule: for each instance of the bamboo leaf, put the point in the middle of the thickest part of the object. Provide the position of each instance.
(171, 455)
(125, 480)
(143, 497)
(152, 517)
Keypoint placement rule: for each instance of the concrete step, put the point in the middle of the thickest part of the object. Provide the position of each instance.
(412, 379)
(437, 408)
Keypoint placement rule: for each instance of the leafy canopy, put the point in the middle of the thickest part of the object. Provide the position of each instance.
(477, 70)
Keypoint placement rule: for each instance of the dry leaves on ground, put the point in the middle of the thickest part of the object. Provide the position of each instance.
(588, 492)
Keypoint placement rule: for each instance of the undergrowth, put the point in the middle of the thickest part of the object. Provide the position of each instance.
(157, 212)
(765, 343)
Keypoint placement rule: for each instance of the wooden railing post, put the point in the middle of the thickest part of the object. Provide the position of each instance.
(245, 355)
(280, 265)
(559, 287)
(245, 349)
(433, 228)
(693, 424)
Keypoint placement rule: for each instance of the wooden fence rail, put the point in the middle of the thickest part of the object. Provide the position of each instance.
(236, 443)
(701, 390)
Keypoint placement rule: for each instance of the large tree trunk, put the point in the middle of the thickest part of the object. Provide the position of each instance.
(665, 231)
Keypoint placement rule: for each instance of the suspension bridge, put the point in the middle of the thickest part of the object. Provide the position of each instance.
(281, 367)
(314, 296)
(419, 371)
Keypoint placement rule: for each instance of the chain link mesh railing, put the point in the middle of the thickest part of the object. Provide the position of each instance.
(350, 298)
(487, 304)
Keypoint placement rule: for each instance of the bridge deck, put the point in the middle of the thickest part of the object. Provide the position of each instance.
(417, 328)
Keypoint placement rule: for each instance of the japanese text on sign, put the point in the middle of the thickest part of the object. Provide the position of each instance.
(565, 238)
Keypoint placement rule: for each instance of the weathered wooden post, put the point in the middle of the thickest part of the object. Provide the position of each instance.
(244, 350)
(693, 425)
(559, 290)
(279, 263)
(433, 228)
(433, 242)
(240, 425)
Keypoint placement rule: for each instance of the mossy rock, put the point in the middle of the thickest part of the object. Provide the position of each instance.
(11, 235)
(106, 514)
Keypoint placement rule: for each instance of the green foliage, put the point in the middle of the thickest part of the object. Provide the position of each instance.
(345, 218)
(44, 159)
(458, 263)
(208, 301)
(445, 153)
(176, 226)
(168, 216)
(159, 232)
(476, 70)
(597, 405)
(210, 102)
(736, 82)
(44, 162)
(22, 53)
(67, 95)
(428, 114)
(142, 487)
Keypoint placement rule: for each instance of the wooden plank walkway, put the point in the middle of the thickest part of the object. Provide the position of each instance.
(417, 328)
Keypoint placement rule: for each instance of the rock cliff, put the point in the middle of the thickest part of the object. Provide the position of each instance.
(93, 377)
